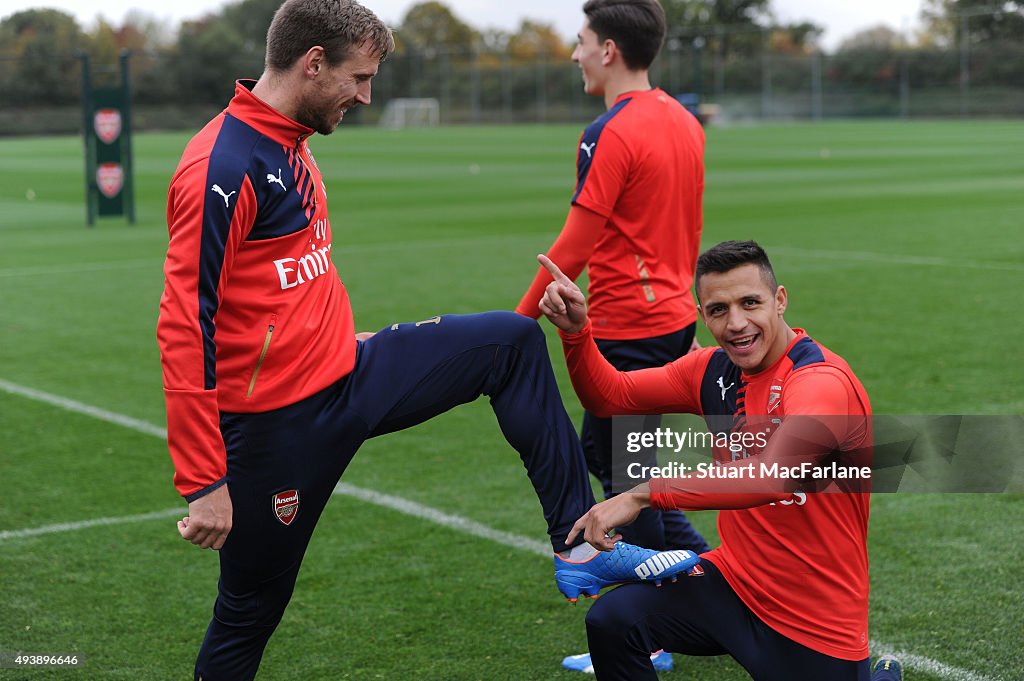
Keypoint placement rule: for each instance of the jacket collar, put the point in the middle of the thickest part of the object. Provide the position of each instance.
(253, 111)
(630, 94)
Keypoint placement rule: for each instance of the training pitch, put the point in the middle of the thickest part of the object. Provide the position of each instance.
(901, 245)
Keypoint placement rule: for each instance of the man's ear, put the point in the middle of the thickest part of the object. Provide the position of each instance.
(313, 61)
(609, 52)
(781, 299)
(696, 301)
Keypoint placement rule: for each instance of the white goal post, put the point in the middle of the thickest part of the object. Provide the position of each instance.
(407, 112)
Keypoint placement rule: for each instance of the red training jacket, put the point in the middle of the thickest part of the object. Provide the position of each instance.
(253, 316)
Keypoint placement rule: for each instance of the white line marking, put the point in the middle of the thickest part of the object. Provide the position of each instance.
(454, 522)
(412, 508)
(926, 664)
(86, 409)
(95, 522)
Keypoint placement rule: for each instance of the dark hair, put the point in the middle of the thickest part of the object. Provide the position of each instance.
(636, 26)
(729, 255)
(339, 26)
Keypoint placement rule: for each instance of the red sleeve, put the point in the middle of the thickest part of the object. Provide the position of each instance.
(185, 329)
(694, 492)
(822, 392)
(571, 251)
(604, 391)
(685, 494)
(826, 391)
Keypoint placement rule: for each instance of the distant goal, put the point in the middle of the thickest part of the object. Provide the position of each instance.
(405, 112)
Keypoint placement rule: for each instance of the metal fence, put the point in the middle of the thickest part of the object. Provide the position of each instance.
(982, 80)
(766, 86)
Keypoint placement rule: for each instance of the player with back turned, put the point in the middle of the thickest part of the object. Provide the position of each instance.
(270, 394)
(786, 592)
(634, 222)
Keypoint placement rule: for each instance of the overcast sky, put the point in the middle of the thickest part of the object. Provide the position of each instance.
(839, 17)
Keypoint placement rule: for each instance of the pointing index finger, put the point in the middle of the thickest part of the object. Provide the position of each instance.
(552, 268)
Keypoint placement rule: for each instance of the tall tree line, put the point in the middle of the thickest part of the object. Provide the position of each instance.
(197, 61)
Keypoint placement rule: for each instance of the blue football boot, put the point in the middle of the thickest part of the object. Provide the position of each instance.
(624, 563)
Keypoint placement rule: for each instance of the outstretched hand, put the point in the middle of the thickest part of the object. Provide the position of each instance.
(563, 302)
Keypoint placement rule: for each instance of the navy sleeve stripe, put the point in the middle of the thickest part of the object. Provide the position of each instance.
(719, 386)
(588, 145)
(225, 176)
(805, 353)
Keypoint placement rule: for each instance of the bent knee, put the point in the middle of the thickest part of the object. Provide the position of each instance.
(521, 329)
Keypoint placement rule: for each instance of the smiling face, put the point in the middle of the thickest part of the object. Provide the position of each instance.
(589, 56)
(338, 88)
(744, 315)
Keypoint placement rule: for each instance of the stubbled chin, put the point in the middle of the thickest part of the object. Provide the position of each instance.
(334, 127)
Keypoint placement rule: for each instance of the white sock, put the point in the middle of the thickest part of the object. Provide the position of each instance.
(578, 553)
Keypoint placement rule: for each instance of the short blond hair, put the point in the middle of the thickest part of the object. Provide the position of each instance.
(339, 26)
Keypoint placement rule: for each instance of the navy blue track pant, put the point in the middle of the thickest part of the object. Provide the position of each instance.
(653, 529)
(699, 616)
(404, 375)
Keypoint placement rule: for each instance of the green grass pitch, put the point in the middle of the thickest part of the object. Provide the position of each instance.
(902, 246)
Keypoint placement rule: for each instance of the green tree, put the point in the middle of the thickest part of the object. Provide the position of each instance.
(150, 41)
(494, 40)
(986, 21)
(535, 40)
(250, 20)
(206, 60)
(104, 47)
(878, 38)
(432, 26)
(43, 45)
(796, 39)
(683, 15)
(734, 25)
(214, 51)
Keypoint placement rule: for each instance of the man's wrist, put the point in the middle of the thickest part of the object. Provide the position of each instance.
(641, 495)
(581, 331)
(199, 494)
